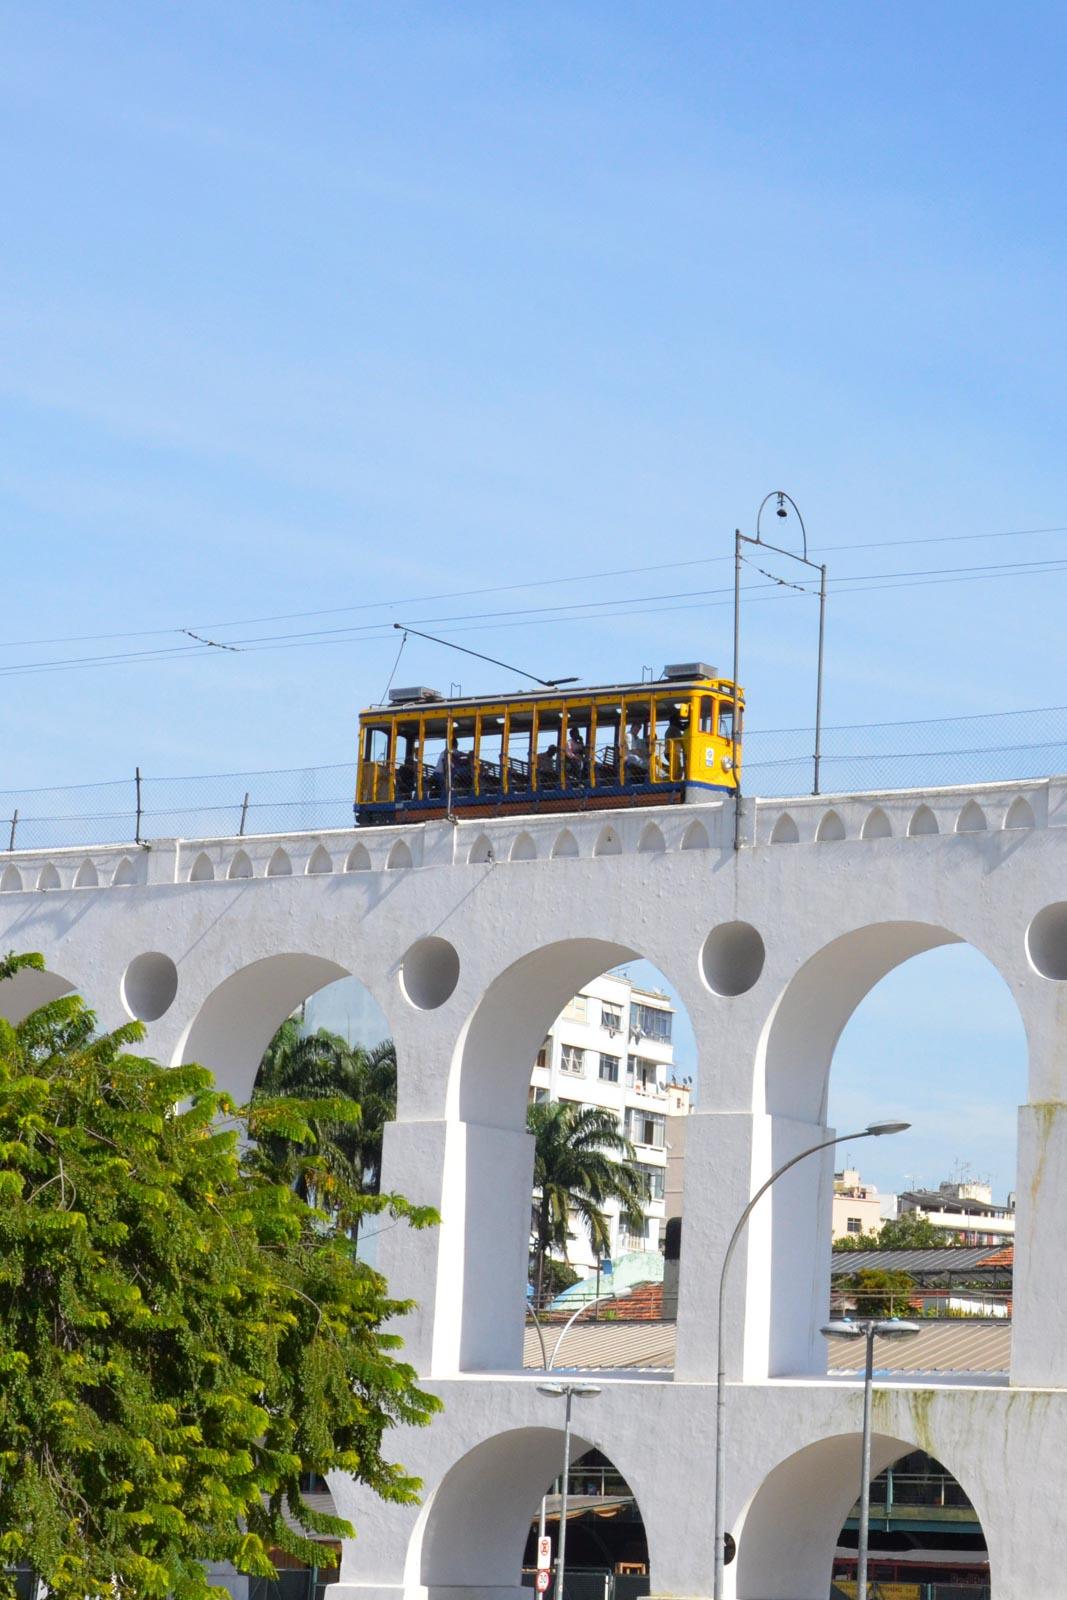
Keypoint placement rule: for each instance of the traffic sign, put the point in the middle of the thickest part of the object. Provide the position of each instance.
(544, 1578)
(544, 1552)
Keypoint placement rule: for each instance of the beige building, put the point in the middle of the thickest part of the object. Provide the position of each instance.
(856, 1206)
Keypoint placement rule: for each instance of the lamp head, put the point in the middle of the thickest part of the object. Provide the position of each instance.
(843, 1330)
(877, 1129)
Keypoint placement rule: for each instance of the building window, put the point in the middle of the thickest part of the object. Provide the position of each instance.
(653, 1177)
(609, 1069)
(543, 1055)
(610, 1018)
(537, 1095)
(576, 1010)
(641, 1073)
(854, 1224)
(649, 1022)
(646, 1127)
(572, 1060)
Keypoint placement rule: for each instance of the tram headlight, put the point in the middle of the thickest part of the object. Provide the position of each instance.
(727, 763)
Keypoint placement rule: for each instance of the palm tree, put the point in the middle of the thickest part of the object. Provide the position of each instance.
(341, 1155)
(576, 1172)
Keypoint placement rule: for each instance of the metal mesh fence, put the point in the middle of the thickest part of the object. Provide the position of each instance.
(777, 762)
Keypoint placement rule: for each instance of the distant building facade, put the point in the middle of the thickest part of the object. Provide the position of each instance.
(963, 1210)
(857, 1206)
(613, 1046)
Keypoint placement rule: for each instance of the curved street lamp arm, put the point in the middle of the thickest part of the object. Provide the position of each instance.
(720, 1380)
(571, 1320)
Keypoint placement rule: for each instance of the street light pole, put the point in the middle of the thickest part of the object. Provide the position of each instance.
(869, 1330)
(569, 1390)
(874, 1130)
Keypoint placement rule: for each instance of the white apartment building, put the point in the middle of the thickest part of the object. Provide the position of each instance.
(857, 1206)
(612, 1046)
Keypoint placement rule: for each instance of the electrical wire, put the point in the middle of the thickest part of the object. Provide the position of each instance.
(507, 588)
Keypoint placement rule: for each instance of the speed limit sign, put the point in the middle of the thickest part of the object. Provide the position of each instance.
(544, 1578)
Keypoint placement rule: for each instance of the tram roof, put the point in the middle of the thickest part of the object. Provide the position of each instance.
(425, 699)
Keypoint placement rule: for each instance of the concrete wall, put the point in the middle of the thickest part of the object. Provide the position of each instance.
(471, 939)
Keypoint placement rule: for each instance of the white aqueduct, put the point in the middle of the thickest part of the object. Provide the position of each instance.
(471, 938)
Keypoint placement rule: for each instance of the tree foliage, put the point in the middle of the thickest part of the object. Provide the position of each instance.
(581, 1161)
(182, 1336)
(909, 1231)
(878, 1291)
(354, 1091)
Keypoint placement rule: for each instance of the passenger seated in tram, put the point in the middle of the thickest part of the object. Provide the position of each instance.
(548, 766)
(636, 763)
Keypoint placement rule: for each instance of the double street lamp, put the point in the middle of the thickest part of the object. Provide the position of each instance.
(870, 1329)
(569, 1391)
(873, 1130)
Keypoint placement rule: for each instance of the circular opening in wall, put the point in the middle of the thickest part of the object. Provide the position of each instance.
(429, 973)
(732, 958)
(149, 986)
(1046, 941)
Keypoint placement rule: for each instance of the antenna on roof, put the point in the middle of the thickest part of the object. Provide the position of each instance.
(546, 683)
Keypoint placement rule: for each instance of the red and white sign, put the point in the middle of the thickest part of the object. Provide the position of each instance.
(544, 1578)
(544, 1553)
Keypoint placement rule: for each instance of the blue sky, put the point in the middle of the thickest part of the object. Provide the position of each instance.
(319, 307)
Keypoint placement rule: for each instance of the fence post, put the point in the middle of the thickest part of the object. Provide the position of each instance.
(137, 785)
(14, 825)
(244, 816)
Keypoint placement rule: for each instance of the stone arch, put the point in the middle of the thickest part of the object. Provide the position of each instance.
(972, 819)
(1020, 814)
(794, 1063)
(695, 837)
(608, 842)
(29, 989)
(358, 859)
(48, 877)
(11, 880)
(651, 841)
(788, 1531)
(830, 827)
(922, 822)
(320, 860)
(524, 848)
(239, 1018)
(566, 845)
(472, 1529)
(87, 876)
(279, 865)
(785, 830)
(125, 873)
(240, 866)
(876, 825)
(203, 871)
(399, 856)
(481, 851)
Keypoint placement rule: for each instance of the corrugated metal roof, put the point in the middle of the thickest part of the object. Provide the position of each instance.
(952, 1345)
(944, 1259)
(949, 1345)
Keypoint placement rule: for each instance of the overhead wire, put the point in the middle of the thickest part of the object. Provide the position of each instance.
(507, 588)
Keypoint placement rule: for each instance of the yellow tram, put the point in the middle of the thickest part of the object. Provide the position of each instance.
(423, 757)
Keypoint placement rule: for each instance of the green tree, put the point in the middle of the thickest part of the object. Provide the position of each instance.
(878, 1292)
(182, 1338)
(581, 1162)
(324, 1067)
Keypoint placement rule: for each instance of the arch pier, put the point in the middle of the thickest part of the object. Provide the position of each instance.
(470, 938)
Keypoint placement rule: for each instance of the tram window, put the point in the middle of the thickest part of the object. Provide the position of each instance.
(726, 720)
(434, 746)
(463, 773)
(520, 727)
(576, 747)
(671, 716)
(638, 714)
(407, 752)
(490, 753)
(377, 747)
(549, 726)
(707, 714)
(608, 724)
